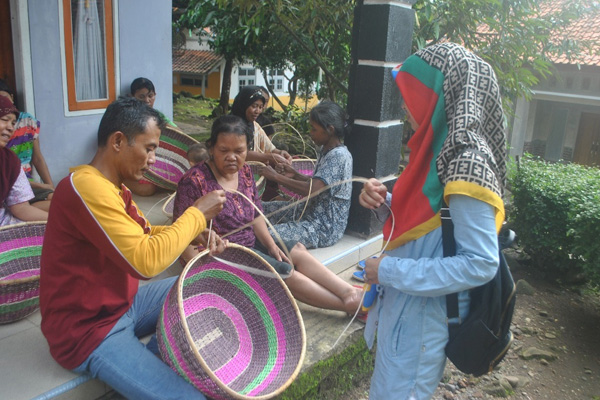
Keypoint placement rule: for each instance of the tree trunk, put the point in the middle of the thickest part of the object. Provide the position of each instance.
(271, 90)
(293, 90)
(225, 89)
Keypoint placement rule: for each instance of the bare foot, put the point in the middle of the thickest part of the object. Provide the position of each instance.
(353, 301)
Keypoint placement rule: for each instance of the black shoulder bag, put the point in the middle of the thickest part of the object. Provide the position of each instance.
(477, 344)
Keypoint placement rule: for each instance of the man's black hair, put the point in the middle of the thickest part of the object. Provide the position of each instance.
(129, 116)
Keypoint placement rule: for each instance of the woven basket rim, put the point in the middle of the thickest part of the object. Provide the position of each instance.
(312, 160)
(260, 164)
(21, 224)
(178, 130)
(160, 181)
(200, 359)
(169, 199)
(13, 282)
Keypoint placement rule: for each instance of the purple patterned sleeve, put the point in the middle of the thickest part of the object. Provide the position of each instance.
(237, 211)
(189, 189)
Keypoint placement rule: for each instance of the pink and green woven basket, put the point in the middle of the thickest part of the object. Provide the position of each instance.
(20, 252)
(305, 166)
(171, 159)
(259, 180)
(231, 327)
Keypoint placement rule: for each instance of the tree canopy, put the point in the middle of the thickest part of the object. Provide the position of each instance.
(517, 37)
(304, 36)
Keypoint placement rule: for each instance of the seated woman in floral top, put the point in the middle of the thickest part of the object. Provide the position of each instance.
(324, 220)
(308, 279)
(15, 190)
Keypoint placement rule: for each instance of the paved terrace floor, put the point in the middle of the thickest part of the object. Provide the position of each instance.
(27, 370)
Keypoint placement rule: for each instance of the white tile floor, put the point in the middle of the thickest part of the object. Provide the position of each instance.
(27, 371)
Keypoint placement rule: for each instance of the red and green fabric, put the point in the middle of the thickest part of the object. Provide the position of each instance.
(459, 146)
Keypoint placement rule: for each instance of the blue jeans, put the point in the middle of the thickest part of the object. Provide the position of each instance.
(130, 367)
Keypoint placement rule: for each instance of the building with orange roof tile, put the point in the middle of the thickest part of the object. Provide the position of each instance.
(198, 70)
(562, 119)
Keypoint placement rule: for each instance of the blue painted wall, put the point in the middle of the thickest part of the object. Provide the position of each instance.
(144, 49)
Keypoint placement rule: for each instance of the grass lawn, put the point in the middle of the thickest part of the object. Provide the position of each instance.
(193, 116)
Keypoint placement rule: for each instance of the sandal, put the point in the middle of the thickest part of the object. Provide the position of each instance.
(361, 264)
(362, 317)
(359, 275)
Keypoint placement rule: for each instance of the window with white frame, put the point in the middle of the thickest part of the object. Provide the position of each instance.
(276, 79)
(247, 76)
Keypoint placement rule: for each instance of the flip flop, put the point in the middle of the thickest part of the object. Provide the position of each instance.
(359, 275)
(361, 263)
(362, 318)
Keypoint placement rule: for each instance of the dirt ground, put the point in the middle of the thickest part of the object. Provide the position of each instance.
(563, 321)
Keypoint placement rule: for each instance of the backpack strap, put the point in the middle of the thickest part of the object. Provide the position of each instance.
(449, 245)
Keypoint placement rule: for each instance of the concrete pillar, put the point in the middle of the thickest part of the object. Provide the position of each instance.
(519, 129)
(381, 39)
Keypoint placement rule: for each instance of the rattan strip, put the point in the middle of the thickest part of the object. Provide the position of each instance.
(167, 208)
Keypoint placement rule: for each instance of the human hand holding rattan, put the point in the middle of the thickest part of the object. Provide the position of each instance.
(373, 194)
(371, 274)
(268, 172)
(211, 204)
(288, 158)
(211, 241)
(281, 156)
(286, 170)
(278, 254)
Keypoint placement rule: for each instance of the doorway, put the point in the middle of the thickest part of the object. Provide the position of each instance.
(587, 148)
(7, 62)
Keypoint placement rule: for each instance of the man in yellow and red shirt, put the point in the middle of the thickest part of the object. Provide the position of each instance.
(97, 247)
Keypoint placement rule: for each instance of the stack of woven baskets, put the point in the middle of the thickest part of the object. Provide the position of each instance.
(231, 327)
(171, 159)
(20, 252)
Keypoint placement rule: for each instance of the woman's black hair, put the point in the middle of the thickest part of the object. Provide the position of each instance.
(5, 88)
(327, 113)
(229, 124)
(245, 98)
(141, 83)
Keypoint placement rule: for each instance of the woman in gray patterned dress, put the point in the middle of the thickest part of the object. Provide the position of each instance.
(324, 220)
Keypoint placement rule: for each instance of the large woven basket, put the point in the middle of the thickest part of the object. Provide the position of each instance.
(167, 208)
(304, 166)
(231, 327)
(171, 159)
(20, 251)
(258, 179)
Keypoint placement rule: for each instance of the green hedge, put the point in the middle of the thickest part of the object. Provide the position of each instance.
(556, 214)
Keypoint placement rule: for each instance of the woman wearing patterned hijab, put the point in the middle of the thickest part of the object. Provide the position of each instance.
(457, 155)
(248, 105)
